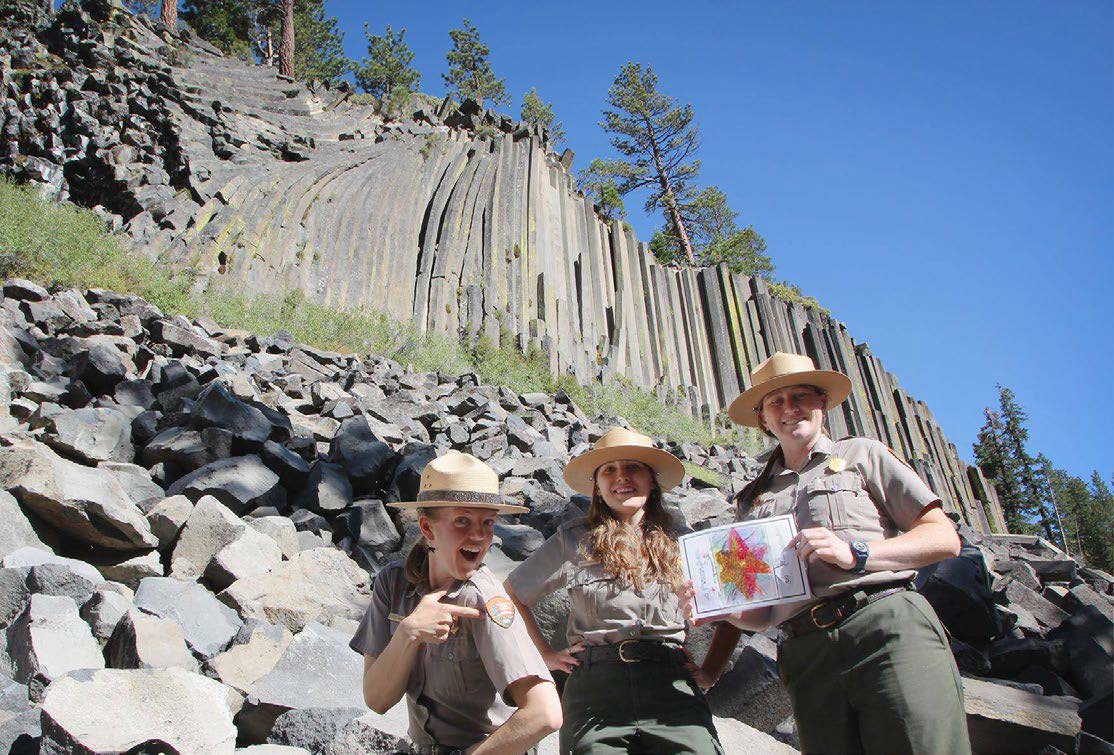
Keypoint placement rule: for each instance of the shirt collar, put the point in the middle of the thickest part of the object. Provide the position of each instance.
(823, 446)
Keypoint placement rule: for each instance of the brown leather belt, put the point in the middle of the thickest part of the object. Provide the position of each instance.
(631, 651)
(830, 613)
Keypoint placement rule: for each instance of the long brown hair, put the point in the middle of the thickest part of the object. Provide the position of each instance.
(635, 556)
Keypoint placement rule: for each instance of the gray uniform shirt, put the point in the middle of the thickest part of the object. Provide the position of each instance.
(602, 609)
(858, 489)
(456, 692)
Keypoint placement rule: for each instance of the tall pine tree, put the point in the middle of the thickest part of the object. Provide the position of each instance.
(996, 463)
(1016, 436)
(470, 75)
(658, 142)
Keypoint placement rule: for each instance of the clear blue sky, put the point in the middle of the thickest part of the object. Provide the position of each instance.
(939, 175)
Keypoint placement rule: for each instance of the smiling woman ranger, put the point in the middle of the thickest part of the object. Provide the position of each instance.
(631, 687)
(867, 663)
(441, 629)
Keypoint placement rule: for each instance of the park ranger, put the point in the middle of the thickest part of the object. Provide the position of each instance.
(866, 661)
(631, 687)
(441, 630)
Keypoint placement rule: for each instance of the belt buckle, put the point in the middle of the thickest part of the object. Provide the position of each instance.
(817, 622)
(622, 657)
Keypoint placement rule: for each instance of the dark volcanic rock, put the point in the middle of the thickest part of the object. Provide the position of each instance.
(367, 461)
(216, 406)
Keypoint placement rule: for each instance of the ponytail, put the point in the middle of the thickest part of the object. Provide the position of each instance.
(744, 501)
(416, 566)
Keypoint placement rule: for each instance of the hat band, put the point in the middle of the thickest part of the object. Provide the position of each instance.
(462, 496)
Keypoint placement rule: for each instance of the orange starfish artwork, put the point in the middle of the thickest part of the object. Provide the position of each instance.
(740, 563)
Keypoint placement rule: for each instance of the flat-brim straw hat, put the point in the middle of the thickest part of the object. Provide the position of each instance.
(782, 370)
(619, 443)
(457, 479)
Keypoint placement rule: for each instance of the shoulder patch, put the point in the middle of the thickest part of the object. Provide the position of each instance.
(501, 610)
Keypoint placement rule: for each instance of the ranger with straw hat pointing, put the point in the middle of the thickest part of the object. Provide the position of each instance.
(866, 662)
(441, 630)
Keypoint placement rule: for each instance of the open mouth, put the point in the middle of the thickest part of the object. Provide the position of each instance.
(623, 490)
(470, 554)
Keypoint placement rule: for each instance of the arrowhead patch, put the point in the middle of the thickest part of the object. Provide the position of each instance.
(501, 610)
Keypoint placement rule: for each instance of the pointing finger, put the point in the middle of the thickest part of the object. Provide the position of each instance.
(463, 612)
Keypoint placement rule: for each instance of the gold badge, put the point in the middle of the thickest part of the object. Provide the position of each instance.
(837, 464)
(501, 610)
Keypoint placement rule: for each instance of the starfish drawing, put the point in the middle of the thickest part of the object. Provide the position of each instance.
(740, 564)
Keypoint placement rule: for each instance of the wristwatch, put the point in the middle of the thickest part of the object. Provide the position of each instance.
(861, 552)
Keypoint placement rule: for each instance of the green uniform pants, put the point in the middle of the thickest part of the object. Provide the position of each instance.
(883, 681)
(644, 707)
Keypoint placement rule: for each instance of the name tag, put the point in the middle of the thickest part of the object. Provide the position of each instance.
(394, 617)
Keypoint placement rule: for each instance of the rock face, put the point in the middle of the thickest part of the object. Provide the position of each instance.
(479, 229)
(266, 581)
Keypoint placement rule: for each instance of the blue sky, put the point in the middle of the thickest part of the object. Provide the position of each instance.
(939, 175)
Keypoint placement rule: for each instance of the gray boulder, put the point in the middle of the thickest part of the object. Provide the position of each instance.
(167, 517)
(518, 540)
(17, 531)
(315, 585)
(281, 530)
(327, 490)
(101, 367)
(250, 554)
(206, 623)
(47, 641)
(91, 434)
(240, 483)
(26, 558)
(242, 665)
(210, 527)
(140, 640)
(188, 450)
(137, 481)
(365, 459)
(318, 669)
(217, 406)
(131, 569)
(89, 504)
(61, 580)
(102, 612)
(1002, 719)
(149, 710)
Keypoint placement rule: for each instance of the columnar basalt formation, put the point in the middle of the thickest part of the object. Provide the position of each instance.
(454, 218)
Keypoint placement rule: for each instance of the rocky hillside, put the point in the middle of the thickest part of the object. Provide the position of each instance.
(456, 219)
(192, 517)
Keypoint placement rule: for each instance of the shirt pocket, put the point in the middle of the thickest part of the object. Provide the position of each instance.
(831, 498)
(454, 667)
(589, 588)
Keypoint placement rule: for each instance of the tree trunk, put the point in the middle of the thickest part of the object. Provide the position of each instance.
(286, 51)
(169, 14)
(670, 199)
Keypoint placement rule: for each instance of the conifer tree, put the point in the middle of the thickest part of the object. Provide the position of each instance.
(318, 44)
(470, 74)
(599, 186)
(996, 464)
(1016, 436)
(537, 112)
(225, 24)
(658, 141)
(388, 64)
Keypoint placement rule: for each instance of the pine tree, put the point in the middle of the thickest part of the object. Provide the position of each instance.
(997, 465)
(388, 64)
(1045, 477)
(470, 74)
(226, 24)
(657, 140)
(600, 187)
(1016, 436)
(537, 112)
(318, 45)
(146, 7)
(1097, 526)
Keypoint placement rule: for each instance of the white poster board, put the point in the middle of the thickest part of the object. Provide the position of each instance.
(744, 565)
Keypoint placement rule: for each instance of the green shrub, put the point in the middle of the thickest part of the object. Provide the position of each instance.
(792, 293)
